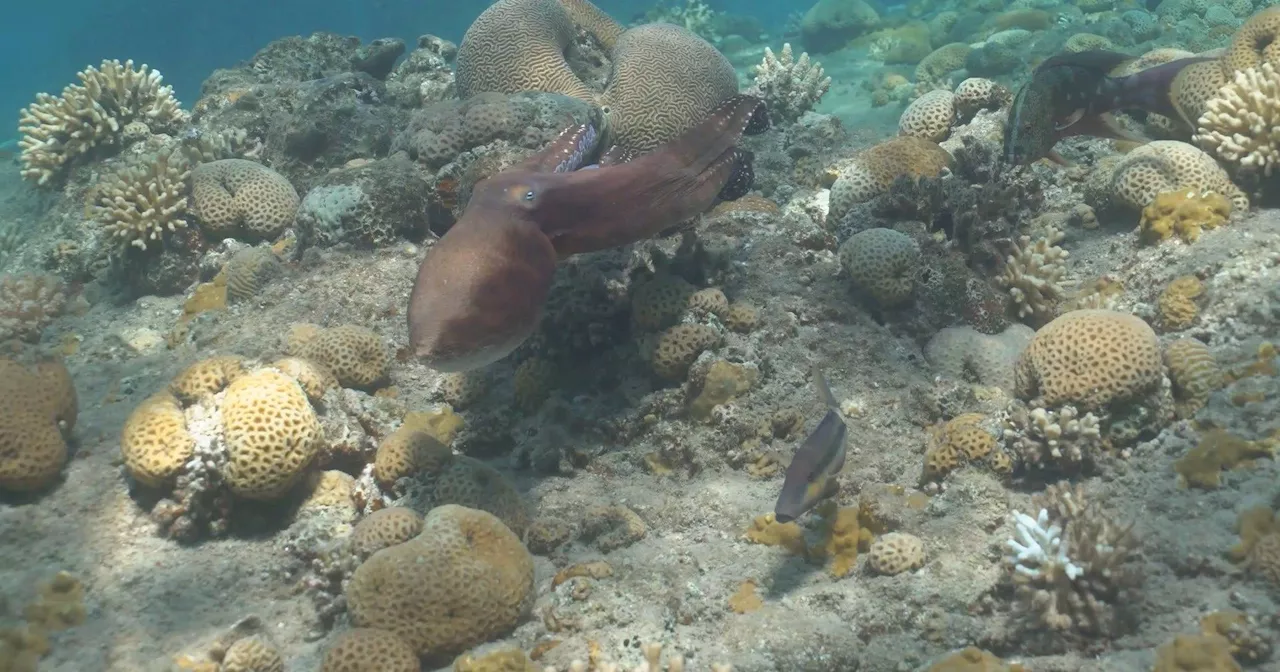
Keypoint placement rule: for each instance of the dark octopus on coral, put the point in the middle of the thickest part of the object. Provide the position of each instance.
(480, 291)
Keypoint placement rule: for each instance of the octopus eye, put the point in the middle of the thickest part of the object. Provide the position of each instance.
(528, 195)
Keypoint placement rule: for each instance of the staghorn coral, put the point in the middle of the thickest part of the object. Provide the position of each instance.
(1242, 123)
(143, 200)
(1069, 566)
(1034, 274)
(789, 86)
(56, 130)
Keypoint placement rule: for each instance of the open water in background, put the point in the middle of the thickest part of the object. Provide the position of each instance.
(43, 43)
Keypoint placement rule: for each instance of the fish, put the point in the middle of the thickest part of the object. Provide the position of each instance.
(480, 290)
(811, 476)
(1074, 94)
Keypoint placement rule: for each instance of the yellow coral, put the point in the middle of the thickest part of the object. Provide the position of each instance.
(1218, 450)
(207, 376)
(37, 407)
(242, 198)
(1166, 166)
(1184, 213)
(271, 431)
(679, 346)
(355, 355)
(1177, 304)
(155, 442)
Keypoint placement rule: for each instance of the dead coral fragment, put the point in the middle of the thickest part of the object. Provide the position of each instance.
(1183, 213)
(1069, 565)
(56, 130)
(1242, 124)
(1033, 276)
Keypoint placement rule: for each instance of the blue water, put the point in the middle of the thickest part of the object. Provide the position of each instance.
(43, 44)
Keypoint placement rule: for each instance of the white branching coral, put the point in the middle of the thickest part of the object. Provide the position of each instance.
(789, 86)
(144, 200)
(1061, 439)
(695, 16)
(1034, 275)
(652, 662)
(1068, 565)
(1242, 124)
(58, 129)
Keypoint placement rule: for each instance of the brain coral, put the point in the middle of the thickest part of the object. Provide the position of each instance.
(667, 63)
(155, 442)
(465, 580)
(518, 45)
(369, 650)
(242, 198)
(271, 431)
(1167, 165)
(1254, 43)
(872, 172)
(356, 356)
(37, 407)
(1090, 358)
(929, 116)
(882, 263)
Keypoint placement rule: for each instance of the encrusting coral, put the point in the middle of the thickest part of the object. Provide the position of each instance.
(56, 130)
(789, 86)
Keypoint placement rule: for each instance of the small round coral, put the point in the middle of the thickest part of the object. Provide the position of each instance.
(237, 197)
(272, 434)
(252, 654)
(873, 171)
(37, 406)
(882, 263)
(355, 355)
(895, 553)
(679, 346)
(370, 650)
(929, 116)
(1090, 358)
(155, 442)
(465, 580)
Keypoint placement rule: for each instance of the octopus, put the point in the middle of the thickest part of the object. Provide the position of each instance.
(481, 289)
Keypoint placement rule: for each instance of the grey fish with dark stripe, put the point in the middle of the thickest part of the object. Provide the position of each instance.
(811, 477)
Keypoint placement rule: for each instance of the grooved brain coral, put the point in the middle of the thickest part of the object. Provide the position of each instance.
(465, 580)
(1168, 165)
(355, 355)
(518, 45)
(882, 263)
(37, 406)
(1090, 358)
(929, 116)
(271, 431)
(155, 442)
(370, 650)
(872, 172)
(241, 198)
(252, 654)
(664, 79)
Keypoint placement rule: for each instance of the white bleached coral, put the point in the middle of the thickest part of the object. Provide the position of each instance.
(1034, 275)
(1069, 566)
(1242, 124)
(58, 129)
(789, 86)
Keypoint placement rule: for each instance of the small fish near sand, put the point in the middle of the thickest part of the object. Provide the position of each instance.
(811, 477)
(1074, 94)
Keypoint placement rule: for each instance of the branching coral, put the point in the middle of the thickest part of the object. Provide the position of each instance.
(789, 86)
(1034, 274)
(1061, 439)
(28, 303)
(58, 129)
(1242, 124)
(1068, 565)
(143, 200)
